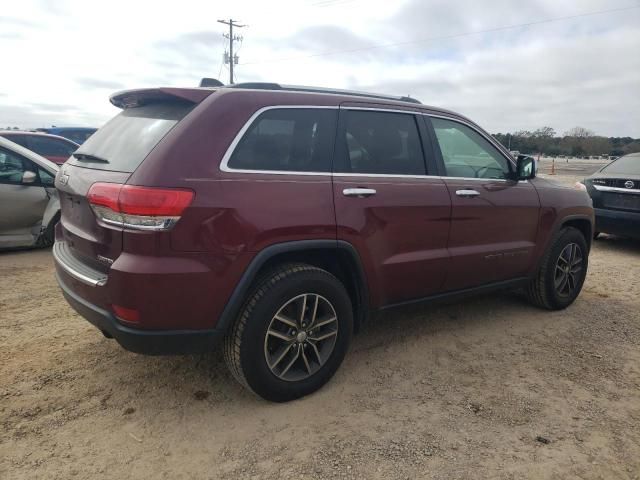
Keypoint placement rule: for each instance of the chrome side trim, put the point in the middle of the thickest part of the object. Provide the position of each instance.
(93, 282)
(604, 188)
(381, 175)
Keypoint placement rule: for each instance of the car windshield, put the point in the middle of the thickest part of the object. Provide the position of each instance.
(629, 165)
(125, 140)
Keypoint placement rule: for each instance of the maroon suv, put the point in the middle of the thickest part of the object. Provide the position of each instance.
(279, 219)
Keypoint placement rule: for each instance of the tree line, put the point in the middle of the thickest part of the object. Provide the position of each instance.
(577, 142)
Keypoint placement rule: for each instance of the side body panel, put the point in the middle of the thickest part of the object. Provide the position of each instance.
(493, 231)
(493, 236)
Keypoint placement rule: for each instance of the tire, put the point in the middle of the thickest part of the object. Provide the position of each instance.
(544, 290)
(261, 347)
(47, 237)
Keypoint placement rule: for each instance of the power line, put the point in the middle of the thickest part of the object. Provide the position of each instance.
(330, 3)
(444, 37)
(233, 59)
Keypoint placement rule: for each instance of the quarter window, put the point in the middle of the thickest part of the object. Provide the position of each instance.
(288, 139)
(382, 143)
(468, 154)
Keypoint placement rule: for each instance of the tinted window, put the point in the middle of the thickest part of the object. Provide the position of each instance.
(293, 139)
(19, 139)
(468, 154)
(382, 143)
(126, 139)
(629, 165)
(12, 167)
(50, 147)
(77, 136)
(46, 179)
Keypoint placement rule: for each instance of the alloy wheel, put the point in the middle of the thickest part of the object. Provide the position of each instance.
(301, 337)
(568, 270)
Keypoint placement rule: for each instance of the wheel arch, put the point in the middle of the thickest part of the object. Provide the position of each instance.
(581, 223)
(339, 258)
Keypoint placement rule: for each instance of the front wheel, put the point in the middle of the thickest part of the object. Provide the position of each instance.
(292, 333)
(562, 272)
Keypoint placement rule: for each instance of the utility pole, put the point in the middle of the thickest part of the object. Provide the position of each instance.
(231, 59)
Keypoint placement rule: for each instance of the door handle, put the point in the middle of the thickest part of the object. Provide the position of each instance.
(467, 193)
(358, 192)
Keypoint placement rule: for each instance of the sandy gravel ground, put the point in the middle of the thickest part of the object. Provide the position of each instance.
(486, 388)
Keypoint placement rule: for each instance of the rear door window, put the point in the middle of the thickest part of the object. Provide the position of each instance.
(384, 143)
(288, 139)
(126, 140)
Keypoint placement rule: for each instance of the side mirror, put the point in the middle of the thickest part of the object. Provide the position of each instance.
(29, 177)
(525, 168)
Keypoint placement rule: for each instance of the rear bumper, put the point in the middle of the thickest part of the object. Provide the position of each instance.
(618, 222)
(149, 342)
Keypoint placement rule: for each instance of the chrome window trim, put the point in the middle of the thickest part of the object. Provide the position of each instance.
(604, 188)
(380, 175)
(224, 164)
(492, 141)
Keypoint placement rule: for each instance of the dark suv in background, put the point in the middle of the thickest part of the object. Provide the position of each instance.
(615, 190)
(279, 219)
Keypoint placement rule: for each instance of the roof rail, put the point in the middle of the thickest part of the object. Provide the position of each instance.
(299, 88)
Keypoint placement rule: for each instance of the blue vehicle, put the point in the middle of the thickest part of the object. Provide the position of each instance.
(76, 134)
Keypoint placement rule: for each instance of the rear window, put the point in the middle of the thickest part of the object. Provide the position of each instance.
(19, 139)
(125, 140)
(288, 139)
(50, 147)
(628, 165)
(77, 136)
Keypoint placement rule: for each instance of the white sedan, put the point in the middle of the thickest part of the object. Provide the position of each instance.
(29, 203)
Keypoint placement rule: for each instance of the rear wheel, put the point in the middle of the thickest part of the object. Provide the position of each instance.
(562, 273)
(292, 333)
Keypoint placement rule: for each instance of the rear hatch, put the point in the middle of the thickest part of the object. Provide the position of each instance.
(110, 156)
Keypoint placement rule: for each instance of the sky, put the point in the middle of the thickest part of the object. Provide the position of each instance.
(507, 64)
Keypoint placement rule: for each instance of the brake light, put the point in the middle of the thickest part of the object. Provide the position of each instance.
(139, 208)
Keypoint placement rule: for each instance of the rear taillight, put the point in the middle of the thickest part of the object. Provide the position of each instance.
(138, 208)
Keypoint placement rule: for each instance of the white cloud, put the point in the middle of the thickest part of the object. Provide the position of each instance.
(62, 59)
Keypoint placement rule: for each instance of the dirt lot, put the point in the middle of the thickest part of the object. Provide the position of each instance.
(454, 391)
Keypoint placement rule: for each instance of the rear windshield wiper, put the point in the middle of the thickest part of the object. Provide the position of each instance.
(87, 157)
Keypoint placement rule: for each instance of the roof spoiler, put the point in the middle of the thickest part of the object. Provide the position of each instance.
(144, 96)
